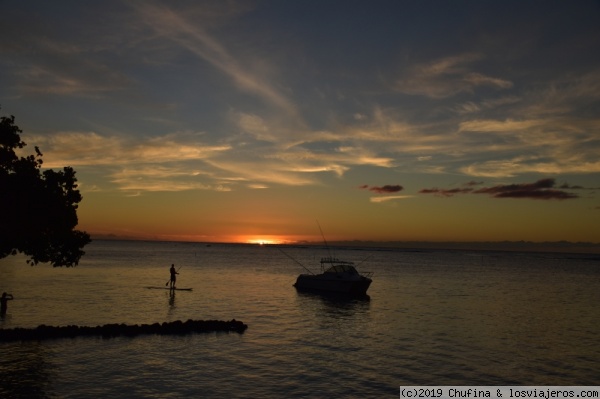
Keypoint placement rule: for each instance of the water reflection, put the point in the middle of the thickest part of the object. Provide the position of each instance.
(172, 308)
(25, 371)
(172, 298)
(334, 305)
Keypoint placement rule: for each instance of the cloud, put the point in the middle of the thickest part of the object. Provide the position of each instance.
(92, 81)
(256, 127)
(159, 178)
(473, 183)
(447, 77)
(478, 79)
(383, 189)
(507, 125)
(173, 162)
(471, 119)
(467, 108)
(258, 186)
(445, 192)
(554, 144)
(389, 198)
(542, 189)
(477, 147)
(262, 172)
(66, 58)
(191, 35)
(257, 160)
(484, 105)
(93, 149)
(386, 189)
(532, 164)
(441, 192)
(566, 186)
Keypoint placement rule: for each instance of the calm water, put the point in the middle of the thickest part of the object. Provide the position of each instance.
(433, 318)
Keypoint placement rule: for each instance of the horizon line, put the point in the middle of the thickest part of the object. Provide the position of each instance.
(504, 245)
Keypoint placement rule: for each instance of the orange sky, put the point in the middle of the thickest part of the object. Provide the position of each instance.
(248, 122)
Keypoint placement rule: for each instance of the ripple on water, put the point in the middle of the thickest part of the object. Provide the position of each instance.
(433, 317)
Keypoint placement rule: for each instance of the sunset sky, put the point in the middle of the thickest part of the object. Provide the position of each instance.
(248, 121)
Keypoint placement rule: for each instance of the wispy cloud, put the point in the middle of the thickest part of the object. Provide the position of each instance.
(190, 35)
(92, 149)
(42, 60)
(447, 77)
(387, 198)
(471, 107)
(532, 164)
(262, 172)
(159, 178)
(37, 80)
(173, 162)
(508, 125)
(471, 119)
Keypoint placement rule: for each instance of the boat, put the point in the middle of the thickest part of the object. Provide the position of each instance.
(337, 276)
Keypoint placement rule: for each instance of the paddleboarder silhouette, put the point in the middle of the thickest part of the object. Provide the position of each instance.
(174, 274)
(3, 303)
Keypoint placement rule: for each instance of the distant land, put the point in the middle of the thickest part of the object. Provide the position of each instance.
(516, 246)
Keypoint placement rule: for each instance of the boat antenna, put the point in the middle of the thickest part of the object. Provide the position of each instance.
(324, 239)
(289, 256)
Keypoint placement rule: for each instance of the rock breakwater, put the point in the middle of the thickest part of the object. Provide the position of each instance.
(44, 332)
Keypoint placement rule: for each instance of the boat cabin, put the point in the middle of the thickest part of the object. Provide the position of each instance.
(337, 266)
(342, 269)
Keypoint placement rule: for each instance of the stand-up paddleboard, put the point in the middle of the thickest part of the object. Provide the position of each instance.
(169, 288)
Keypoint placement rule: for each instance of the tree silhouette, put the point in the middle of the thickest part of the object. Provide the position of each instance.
(38, 209)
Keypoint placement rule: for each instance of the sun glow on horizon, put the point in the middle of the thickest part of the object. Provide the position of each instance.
(268, 240)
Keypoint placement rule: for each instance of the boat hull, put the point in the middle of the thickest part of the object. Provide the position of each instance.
(325, 283)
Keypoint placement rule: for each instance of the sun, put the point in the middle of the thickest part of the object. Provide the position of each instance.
(264, 241)
(261, 241)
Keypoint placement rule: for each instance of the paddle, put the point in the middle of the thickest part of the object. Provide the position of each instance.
(170, 278)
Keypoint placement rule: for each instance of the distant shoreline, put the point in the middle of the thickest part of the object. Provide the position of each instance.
(504, 246)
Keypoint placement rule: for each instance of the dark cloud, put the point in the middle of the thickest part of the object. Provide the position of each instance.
(567, 187)
(383, 189)
(473, 183)
(541, 189)
(444, 192)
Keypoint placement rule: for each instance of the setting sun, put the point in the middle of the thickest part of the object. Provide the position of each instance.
(265, 241)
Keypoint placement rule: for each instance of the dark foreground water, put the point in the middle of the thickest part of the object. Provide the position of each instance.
(433, 318)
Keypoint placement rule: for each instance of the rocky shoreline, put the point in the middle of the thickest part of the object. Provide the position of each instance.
(44, 332)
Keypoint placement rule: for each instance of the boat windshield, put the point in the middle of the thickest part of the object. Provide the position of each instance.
(342, 269)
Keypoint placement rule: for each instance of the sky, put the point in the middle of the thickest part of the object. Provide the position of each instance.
(258, 121)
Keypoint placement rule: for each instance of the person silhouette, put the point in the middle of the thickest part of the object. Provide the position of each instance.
(174, 274)
(3, 303)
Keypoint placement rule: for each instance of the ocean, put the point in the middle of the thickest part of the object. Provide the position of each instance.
(433, 317)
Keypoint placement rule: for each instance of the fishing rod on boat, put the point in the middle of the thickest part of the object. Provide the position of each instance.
(364, 260)
(289, 256)
(324, 239)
